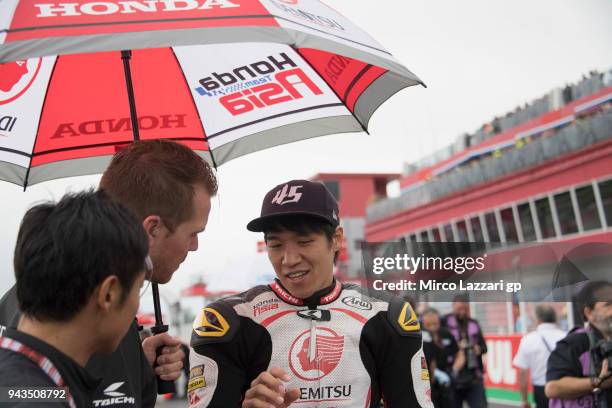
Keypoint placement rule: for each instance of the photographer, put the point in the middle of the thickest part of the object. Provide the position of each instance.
(468, 382)
(443, 358)
(579, 368)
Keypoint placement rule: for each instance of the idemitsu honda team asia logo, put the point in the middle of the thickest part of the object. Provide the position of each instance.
(16, 77)
(273, 80)
(326, 353)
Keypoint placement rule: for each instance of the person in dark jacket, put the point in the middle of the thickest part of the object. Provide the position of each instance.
(579, 373)
(468, 382)
(169, 188)
(77, 273)
(443, 356)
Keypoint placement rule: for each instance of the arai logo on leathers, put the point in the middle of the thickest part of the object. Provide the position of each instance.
(357, 303)
(117, 397)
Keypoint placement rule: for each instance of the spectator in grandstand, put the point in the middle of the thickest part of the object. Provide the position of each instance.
(567, 94)
(607, 78)
(468, 382)
(496, 126)
(444, 359)
(533, 353)
(579, 373)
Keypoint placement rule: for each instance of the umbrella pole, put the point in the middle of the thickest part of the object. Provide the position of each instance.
(163, 386)
(126, 56)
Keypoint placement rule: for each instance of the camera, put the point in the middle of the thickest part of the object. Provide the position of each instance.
(470, 355)
(604, 352)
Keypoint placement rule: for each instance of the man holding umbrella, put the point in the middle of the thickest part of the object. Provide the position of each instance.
(306, 337)
(169, 188)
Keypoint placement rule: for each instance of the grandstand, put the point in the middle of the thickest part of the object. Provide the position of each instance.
(541, 173)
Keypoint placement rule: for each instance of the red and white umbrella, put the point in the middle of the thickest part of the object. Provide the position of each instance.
(225, 77)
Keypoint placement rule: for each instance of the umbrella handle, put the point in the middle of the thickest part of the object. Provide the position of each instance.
(163, 386)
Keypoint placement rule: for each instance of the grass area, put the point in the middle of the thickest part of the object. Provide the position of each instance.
(499, 394)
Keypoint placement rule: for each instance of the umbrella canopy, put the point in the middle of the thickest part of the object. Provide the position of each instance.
(34, 28)
(225, 94)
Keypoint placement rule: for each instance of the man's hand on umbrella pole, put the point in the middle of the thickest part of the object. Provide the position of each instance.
(170, 361)
(267, 391)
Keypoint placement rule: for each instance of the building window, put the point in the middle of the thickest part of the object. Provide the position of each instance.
(507, 219)
(492, 229)
(436, 234)
(545, 219)
(476, 229)
(462, 232)
(411, 244)
(334, 188)
(423, 237)
(448, 233)
(526, 220)
(588, 208)
(565, 211)
(605, 190)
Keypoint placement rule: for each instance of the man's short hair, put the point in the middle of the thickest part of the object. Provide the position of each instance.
(461, 298)
(156, 177)
(431, 310)
(301, 225)
(546, 314)
(65, 250)
(586, 297)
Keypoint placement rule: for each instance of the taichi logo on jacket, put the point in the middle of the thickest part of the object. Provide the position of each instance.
(116, 397)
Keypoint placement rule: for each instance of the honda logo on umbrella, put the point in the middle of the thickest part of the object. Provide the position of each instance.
(16, 77)
(124, 7)
(114, 125)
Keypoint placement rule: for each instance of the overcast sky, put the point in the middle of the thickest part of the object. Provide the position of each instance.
(479, 58)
